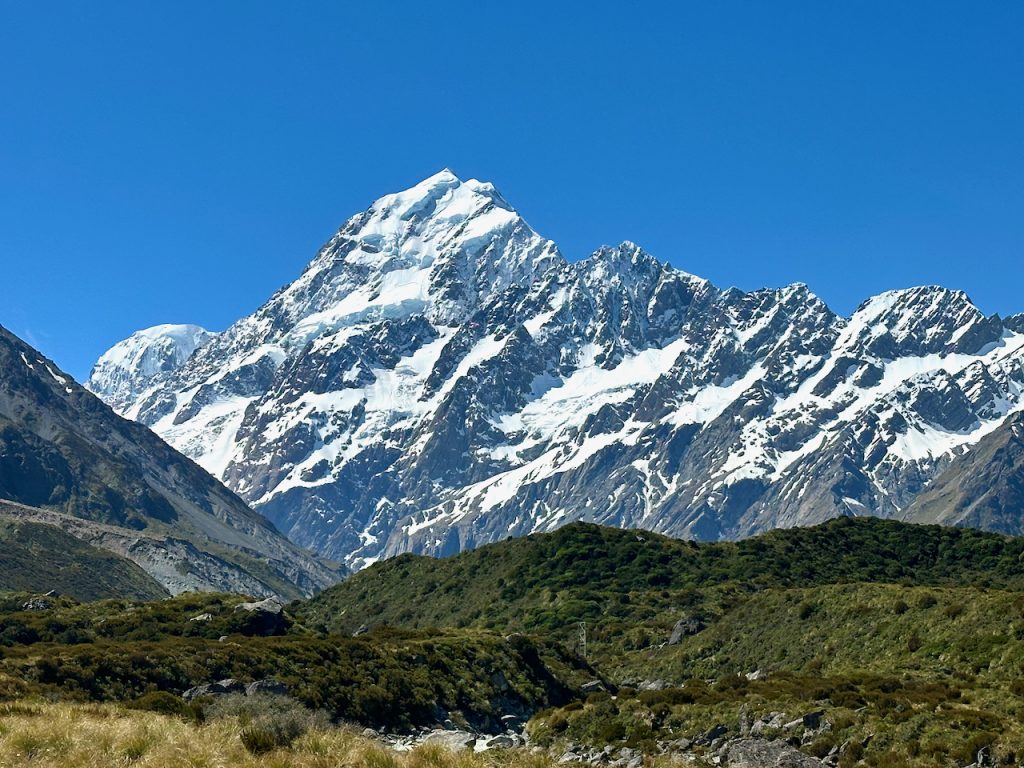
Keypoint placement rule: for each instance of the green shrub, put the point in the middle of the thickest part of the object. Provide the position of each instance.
(260, 738)
(268, 722)
(164, 703)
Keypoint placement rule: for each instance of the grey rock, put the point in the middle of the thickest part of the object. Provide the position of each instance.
(456, 741)
(37, 604)
(758, 753)
(654, 685)
(270, 606)
(501, 742)
(219, 688)
(267, 687)
(685, 627)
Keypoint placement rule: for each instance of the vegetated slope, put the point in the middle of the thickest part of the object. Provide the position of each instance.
(440, 377)
(589, 572)
(118, 650)
(984, 488)
(870, 674)
(39, 558)
(64, 450)
(839, 629)
(864, 638)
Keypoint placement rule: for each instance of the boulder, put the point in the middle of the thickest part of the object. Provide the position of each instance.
(654, 685)
(684, 628)
(266, 687)
(266, 617)
(270, 605)
(455, 741)
(37, 604)
(594, 686)
(758, 753)
(501, 742)
(219, 688)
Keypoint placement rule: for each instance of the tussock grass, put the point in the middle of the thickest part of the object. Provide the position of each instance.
(76, 736)
(108, 736)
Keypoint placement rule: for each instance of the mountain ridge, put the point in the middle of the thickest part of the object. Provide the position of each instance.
(118, 486)
(440, 376)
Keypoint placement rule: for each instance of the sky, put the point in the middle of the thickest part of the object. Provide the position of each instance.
(178, 162)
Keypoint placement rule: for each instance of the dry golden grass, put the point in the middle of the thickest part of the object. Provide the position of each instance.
(37, 735)
(42, 735)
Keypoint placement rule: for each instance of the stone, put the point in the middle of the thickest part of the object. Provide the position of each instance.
(37, 604)
(685, 627)
(202, 617)
(219, 688)
(594, 686)
(500, 742)
(759, 753)
(267, 687)
(362, 630)
(270, 605)
(267, 616)
(715, 733)
(654, 685)
(455, 741)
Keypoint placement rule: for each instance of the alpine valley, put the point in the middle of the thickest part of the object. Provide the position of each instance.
(441, 376)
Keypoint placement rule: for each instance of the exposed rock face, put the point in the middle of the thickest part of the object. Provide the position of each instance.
(67, 460)
(981, 489)
(440, 377)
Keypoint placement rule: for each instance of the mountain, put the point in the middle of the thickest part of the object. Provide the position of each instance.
(40, 558)
(983, 488)
(129, 367)
(440, 376)
(66, 459)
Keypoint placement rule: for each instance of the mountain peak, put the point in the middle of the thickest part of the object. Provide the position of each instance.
(130, 366)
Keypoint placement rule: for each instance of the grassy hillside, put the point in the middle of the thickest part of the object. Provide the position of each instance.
(37, 558)
(620, 579)
(880, 643)
(906, 641)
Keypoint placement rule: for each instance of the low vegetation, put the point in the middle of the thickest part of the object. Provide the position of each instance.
(76, 736)
(878, 643)
(121, 651)
(33, 554)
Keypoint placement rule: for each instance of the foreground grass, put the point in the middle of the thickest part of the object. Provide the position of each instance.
(102, 736)
(95, 736)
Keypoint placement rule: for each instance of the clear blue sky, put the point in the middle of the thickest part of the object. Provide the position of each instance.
(178, 162)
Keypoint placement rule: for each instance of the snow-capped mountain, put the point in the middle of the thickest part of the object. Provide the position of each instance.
(131, 366)
(440, 376)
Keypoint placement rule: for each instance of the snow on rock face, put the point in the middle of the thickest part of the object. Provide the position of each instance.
(129, 367)
(440, 376)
